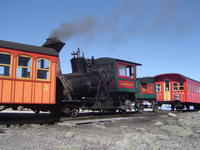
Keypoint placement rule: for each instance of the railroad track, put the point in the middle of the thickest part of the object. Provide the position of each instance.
(9, 119)
(108, 118)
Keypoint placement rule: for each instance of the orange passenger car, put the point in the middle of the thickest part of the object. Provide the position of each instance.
(27, 74)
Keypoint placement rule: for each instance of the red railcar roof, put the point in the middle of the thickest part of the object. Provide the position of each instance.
(175, 76)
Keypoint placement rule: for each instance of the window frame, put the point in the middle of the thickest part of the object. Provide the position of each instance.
(49, 73)
(10, 66)
(189, 87)
(167, 86)
(31, 63)
(131, 66)
(179, 86)
(176, 86)
(158, 87)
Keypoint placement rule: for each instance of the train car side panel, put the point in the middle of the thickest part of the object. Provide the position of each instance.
(178, 91)
(52, 87)
(193, 91)
(6, 96)
(159, 94)
(19, 92)
(38, 93)
(27, 95)
(31, 78)
(146, 89)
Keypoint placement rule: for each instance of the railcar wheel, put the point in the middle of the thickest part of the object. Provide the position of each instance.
(188, 107)
(178, 109)
(37, 112)
(172, 107)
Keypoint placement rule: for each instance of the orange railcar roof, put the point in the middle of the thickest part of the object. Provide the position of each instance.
(28, 48)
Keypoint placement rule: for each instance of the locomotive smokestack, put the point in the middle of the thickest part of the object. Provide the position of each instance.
(57, 45)
(54, 43)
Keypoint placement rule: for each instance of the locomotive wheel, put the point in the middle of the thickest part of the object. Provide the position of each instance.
(122, 111)
(139, 108)
(74, 112)
(154, 106)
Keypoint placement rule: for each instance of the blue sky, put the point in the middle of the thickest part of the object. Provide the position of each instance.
(163, 35)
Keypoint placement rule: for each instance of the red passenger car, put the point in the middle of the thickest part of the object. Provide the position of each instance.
(177, 90)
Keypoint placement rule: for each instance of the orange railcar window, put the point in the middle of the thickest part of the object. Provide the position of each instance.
(24, 67)
(43, 69)
(5, 64)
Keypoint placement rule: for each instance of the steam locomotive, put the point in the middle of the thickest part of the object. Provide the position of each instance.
(30, 76)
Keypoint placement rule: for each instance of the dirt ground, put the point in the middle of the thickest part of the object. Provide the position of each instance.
(164, 132)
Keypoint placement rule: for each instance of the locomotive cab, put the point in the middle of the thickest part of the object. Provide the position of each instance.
(123, 74)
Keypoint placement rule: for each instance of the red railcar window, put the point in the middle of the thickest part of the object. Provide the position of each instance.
(175, 86)
(189, 87)
(196, 89)
(178, 86)
(199, 90)
(166, 85)
(158, 87)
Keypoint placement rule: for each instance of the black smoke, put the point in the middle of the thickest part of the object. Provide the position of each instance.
(135, 18)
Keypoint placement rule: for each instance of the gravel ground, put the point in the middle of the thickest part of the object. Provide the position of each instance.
(164, 132)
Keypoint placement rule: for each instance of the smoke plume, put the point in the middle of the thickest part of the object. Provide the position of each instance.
(135, 18)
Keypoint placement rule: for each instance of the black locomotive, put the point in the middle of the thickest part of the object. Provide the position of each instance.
(103, 84)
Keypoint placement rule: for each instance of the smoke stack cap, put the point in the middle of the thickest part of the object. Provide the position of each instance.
(54, 43)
